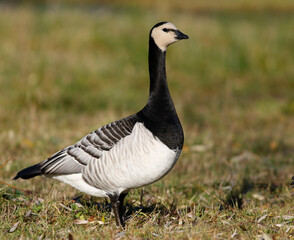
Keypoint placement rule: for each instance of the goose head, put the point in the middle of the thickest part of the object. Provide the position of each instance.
(166, 33)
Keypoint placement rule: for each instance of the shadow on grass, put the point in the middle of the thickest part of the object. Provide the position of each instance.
(131, 208)
(235, 198)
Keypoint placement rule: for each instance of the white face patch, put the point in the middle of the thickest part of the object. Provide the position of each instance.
(164, 35)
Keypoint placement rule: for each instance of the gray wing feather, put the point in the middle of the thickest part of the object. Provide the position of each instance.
(73, 158)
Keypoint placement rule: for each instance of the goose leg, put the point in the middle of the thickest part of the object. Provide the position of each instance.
(118, 209)
(121, 209)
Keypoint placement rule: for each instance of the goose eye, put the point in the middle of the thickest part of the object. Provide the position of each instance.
(165, 30)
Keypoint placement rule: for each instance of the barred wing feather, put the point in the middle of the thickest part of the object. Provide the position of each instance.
(73, 158)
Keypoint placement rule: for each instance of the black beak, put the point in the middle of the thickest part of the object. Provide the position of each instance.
(180, 35)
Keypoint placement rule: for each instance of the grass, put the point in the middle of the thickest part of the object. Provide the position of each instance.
(66, 70)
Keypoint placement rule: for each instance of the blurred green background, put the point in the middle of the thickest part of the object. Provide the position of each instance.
(68, 67)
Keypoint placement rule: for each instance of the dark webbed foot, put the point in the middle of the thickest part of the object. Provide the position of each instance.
(117, 202)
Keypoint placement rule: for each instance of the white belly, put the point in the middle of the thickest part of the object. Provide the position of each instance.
(137, 160)
(76, 181)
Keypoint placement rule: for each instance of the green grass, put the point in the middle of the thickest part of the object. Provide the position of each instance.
(67, 70)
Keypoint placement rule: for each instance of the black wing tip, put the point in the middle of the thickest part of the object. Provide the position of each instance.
(16, 177)
(292, 183)
(29, 172)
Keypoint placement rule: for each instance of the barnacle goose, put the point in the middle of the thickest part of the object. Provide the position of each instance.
(131, 152)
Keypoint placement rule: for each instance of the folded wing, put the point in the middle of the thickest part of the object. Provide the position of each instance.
(73, 158)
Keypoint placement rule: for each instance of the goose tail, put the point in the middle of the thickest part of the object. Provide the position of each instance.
(29, 172)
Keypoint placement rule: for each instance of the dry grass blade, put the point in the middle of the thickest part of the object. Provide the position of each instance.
(14, 227)
(262, 218)
(4, 163)
(81, 222)
(1, 182)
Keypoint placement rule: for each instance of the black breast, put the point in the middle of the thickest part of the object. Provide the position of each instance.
(161, 119)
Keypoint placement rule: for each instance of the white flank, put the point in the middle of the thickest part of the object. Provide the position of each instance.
(135, 161)
(164, 39)
(76, 181)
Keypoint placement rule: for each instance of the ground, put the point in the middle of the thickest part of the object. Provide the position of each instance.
(66, 70)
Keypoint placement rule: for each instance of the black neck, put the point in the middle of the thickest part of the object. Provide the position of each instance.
(159, 114)
(157, 72)
(160, 105)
